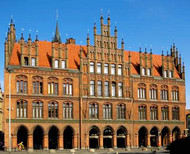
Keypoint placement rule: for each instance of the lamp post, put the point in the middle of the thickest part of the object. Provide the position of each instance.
(9, 70)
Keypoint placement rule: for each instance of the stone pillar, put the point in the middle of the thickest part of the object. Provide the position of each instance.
(101, 141)
(30, 141)
(127, 140)
(159, 140)
(148, 140)
(114, 139)
(60, 142)
(45, 143)
(87, 141)
(14, 141)
(170, 138)
(75, 141)
(137, 140)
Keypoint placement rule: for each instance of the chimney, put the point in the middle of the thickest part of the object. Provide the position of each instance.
(70, 41)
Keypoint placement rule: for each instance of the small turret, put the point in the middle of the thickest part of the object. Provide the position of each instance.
(57, 37)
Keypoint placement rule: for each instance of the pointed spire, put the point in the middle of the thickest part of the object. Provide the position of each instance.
(150, 50)
(57, 37)
(145, 50)
(140, 50)
(36, 37)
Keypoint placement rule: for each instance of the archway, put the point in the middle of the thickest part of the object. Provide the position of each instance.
(53, 138)
(143, 137)
(108, 135)
(94, 137)
(154, 137)
(68, 138)
(176, 133)
(22, 136)
(165, 136)
(38, 135)
(1, 140)
(121, 137)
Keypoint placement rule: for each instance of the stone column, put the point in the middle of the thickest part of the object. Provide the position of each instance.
(14, 141)
(75, 141)
(159, 140)
(87, 141)
(114, 139)
(170, 138)
(60, 142)
(45, 143)
(148, 140)
(101, 141)
(127, 140)
(30, 141)
(137, 140)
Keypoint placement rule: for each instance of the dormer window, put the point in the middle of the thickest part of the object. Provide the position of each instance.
(143, 71)
(63, 64)
(56, 63)
(149, 72)
(91, 67)
(26, 61)
(171, 74)
(33, 61)
(165, 73)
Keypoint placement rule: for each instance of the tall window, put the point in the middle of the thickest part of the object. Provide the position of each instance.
(52, 110)
(153, 92)
(175, 113)
(99, 67)
(21, 84)
(37, 107)
(141, 91)
(63, 64)
(91, 67)
(119, 69)
(154, 113)
(143, 71)
(106, 92)
(121, 111)
(120, 89)
(106, 68)
(56, 63)
(37, 85)
(164, 92)
(92, 88)
(67, 86)
(165, 113)
(175, 93)
(22, 109)
(149, 72)
(107, 111)
(53, 85)
(142, 112)
(33, 61)
(99, 88)
(165, 73)
(113, 89)
(93, 111)
(67, 110)
(171, 74)
(26, 61)
(112, 69)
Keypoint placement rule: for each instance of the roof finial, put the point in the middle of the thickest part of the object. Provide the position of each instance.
(57, 15)
(108, 14)
(57, 37)
(101, 13)
(11, 19)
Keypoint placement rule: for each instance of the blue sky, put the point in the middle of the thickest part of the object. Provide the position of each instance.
(156, 23)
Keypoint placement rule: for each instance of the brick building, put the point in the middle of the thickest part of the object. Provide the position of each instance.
(65, 95)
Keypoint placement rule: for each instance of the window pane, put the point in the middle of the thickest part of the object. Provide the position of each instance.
(106, 68)
(33, 61)
(63, 64)
(56, 63)
(91, 67)
(99, 67)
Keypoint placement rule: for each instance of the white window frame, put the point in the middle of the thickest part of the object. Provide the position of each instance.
(99, 68)
(91, 67)
(33, 61)
(112, 69)
(119, 69)
(63, 64)
(106, 68)
(56, 63)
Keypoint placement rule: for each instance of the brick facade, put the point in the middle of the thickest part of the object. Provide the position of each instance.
(72, 74)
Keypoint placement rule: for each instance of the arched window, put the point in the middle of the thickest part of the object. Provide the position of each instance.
(106, 89)
(165, 112)
(37, 85)
(141, 91)
(91, 67)
(56, 63)
(119, 69)
(107, 111)
(68, 86)
(120, 89)
(52, 86)
(99, 68)
(52, 110)
(63, 64)
(67, 110)
(175, 113)
(142, 112)
(106, 68)
(93, 111)
(153, 92)
(112, 69)
(175, 93)
(165, 73)
(113, 89)
(154, 112)
(143, 71)
(164, 92)
(171, 74)
(149, 72)
(21, 84)
(22, 109)
(37, 107)
(33, 61)
(121, 111)
(92, 88)
(99, 88)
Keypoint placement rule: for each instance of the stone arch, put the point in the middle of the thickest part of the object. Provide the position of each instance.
(68, 134)
(49, 127)
(165, 136)
(22, 135)
(121, 137)
(108, 137)
(2, 137)
(154, 138)
(38, 137)
(17, 128)
(142, 133)
(176, 132)
(63, 129)
(94, 132)
(53, 135)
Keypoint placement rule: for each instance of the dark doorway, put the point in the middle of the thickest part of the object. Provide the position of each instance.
(176, 133)
(108, 135)
(121, 137)
(53, 138)
(94, 138)
(165, 136)
(154, 137)
(1, 140)
(143, 137)
(22, 136)
(38, 138)
(68, 138)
